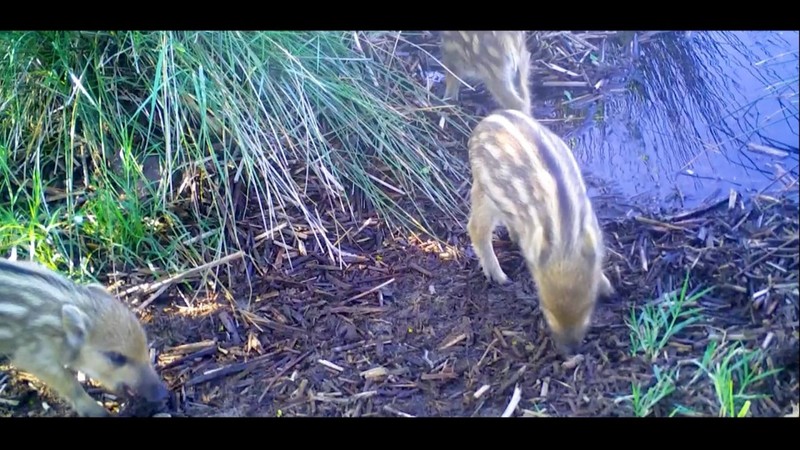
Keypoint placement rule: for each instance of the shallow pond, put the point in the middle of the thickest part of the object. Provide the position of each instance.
(702, 112)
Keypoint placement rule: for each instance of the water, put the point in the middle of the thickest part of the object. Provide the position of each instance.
(693, 103)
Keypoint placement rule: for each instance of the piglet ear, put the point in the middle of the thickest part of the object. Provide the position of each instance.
(76, 326)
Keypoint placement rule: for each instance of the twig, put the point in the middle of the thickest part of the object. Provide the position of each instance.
(357, 309)
(388, 408)
(155, 286)
(649, 221)
(283, 372)
(767, 340)
(371, 290)
(778, 178)
(481, 391)
(764, 150)
(697, 211)
(229, 370)
(269, 234)
(198, 354)
(365, 344)
(330, 365)
(192, 347)
(513, 379)
(374, 373)
(152, 298)
(438, 376)
(767, 255)
(420, 269)
(512, 405)
(565, 83)
(453, 341)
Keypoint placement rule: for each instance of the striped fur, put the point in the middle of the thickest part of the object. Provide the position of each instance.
(526, 178)
(48, 324)
(500, 59)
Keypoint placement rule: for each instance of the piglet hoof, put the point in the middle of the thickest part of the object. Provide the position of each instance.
(499, 278)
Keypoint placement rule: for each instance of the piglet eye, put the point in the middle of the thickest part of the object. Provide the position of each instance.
(118, 359)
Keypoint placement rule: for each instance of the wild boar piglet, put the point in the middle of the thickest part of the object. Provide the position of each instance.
(499, 59)
(526, 178)
(51, 326)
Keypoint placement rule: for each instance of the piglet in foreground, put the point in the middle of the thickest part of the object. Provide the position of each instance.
(49, 325)
(499, 59)
(526, 178)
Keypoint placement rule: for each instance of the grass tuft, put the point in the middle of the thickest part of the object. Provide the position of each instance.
(644, 402)
(658, 322)
(120, 148)
(734, 372)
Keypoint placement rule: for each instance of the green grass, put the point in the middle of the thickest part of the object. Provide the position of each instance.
(643, 402)
(734, 370)
(731, 369)
(658, 322)
(285, 114)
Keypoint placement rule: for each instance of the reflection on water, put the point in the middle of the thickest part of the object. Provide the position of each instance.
(703, 112)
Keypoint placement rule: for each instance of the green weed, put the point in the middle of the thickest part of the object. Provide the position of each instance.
(734, 372)
(655, 325)
(643, 402)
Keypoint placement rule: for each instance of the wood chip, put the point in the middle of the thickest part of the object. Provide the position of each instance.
(191, 348)
(389, 409)
(330, 365)
(454, 341)
(572, 362)
(481, 391)
(375, 373)
(545, 388)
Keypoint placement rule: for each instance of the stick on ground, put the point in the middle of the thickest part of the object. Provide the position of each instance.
(160, 285)
(512, 405)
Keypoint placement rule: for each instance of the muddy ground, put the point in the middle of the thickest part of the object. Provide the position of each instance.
(412, 328)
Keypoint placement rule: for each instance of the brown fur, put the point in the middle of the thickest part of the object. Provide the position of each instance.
(499, 59)
(526, 178)
(49, 324)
